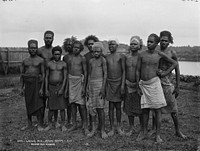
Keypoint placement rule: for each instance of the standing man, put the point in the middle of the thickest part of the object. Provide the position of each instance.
(46, 53)
(132, 106)
(152, 93)
(170, 92)
(115, 84)
(89, 42)
(32, 84)
(67, 45)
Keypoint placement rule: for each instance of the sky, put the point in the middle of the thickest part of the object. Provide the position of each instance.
(22, 20)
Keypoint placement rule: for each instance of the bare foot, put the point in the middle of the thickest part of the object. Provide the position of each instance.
(74, 127)
(90, 134)
(151, 132)
(181, 135)
(86, 131)
(130, 132)
(141, 136)
(111, 133)
(48, 127)
(158, 139)
(63, 128)
(26, 127)
(103, 135)
(40, 128)
(57, 125)
(119, 130)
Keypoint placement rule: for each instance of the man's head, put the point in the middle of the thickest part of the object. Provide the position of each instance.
(48, 38)
(67, 44)
(165, 39)
(135, 43)
(56, 52)
(112, 45)
(77, 47)
(32, 47)
(152, 41)
(97, 49)
(89, 41)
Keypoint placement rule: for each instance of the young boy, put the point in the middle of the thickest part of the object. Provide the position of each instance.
(152, 93)
(115, 84)
(168, 88)
(67, 45)
(77, 85)
(33, 80)
(55, 80)
(132, 106)
(96, 82)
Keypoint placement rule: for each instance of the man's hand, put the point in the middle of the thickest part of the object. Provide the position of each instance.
(139, 91)
(83, 92)
(47, 93)
(60, 92)
(102, 94)
(22, 91)
(161, 73)
(41, 92)
(176, 92)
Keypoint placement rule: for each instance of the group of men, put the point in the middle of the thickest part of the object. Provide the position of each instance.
(140, 79)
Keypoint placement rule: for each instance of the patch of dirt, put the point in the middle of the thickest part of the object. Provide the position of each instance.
(13, 117)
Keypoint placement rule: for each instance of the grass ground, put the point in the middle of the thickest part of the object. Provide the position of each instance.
(13, 117)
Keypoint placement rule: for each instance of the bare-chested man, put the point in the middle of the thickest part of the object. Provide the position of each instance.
(67, 45)
(147, 79)
(77, 85)
(46, 53)
(32, 84)
(115, 84)
(168, 88)
(96, 89)
(55, 80)
(132, 106)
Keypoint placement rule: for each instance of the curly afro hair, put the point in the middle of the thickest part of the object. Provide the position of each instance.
(90, 37)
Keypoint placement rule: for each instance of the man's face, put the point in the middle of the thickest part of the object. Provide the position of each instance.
(48, 40)
(112, 46)
(57, 55)
(134, 46)
(151, 43)
(97, 52)
(90, 44)
(32, 49)
(164, 42)
(69, 46)
(76, 49)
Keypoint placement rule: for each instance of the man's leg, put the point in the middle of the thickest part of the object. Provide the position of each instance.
(93, 124)
(29, 119)
(176, 124)
(83, 113)
(39, 119)
(62, 115)
(101, 115)
(153, 130)
(69, 114)
(50, 123)
(111, 117)
(55, 114)
(131, 125)
(118, 117)
(74, 112)
(158, 125)
(43, 109)
(144, 120)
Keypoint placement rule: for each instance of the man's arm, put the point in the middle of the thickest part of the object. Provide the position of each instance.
(47, 81)
(138, 73)
(64, 77)
(177, 72)
(104, 76)
(85, 74)
(43, 76)
(22, 79)
(123, 74)
(173, 62)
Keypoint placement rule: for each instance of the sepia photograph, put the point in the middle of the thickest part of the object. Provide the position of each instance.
(100, 75)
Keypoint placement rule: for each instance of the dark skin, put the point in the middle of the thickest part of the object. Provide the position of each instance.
(163, 66)
(56, 73)
(116, 69)
(131, 64)
(66, 58)
(46, 54)
(34, 65)
(98, 70)
(147, 68)
(77, 67)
